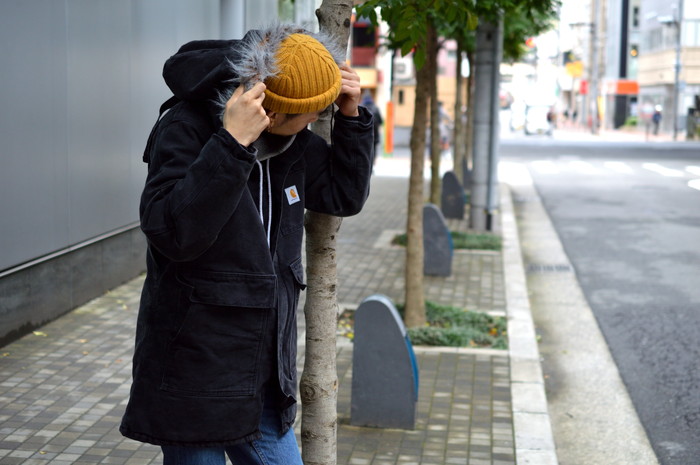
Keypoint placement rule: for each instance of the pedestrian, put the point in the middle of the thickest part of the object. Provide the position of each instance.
(656, 118)
(369, 104)
(445, 125)
(231, 168)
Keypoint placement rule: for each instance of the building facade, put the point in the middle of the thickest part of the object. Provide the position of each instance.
(667, 29)
(81, 89)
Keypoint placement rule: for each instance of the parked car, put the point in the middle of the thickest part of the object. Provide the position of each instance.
(538, 120)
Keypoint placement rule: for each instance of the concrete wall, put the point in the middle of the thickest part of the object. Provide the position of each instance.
(81, 87)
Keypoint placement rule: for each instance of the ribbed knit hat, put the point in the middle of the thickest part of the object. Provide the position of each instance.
(308, 77)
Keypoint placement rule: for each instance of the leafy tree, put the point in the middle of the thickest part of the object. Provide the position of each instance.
(413, 30)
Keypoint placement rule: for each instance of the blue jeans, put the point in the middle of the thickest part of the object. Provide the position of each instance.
(271, 449)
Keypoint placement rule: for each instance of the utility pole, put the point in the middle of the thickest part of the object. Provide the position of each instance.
(595, 68)
(678, 20)
(489, 51)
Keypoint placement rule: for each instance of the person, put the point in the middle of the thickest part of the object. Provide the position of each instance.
(445, 125)
(656, 119)
(231, 168)
(369, 104)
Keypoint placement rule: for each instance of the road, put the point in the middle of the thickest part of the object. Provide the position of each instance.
(628, 216)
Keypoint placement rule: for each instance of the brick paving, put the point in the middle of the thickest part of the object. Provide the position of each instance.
(63, 388)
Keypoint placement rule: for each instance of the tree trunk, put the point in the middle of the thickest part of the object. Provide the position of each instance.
(458, 137)
(435, 133)
(318, 387)
(469, 130)
(319, 382)
(415, 297)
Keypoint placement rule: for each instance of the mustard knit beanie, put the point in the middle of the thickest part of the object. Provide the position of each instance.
(308, 79)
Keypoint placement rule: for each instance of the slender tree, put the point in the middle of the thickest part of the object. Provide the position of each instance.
(432, 48)
(319, 381)
(412, 30)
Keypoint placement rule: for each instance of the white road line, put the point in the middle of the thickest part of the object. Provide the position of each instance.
(618, 167)
(695, 184)
(693, 170)
(545, 167)
(583, 167)
(514, 173)
(663, 171)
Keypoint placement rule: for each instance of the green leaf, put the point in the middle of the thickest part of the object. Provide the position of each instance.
(406, 48)
(419, 57)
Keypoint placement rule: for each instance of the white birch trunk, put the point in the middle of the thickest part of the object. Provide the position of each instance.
(319, 381)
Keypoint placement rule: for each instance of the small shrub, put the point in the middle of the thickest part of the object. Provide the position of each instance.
(462, 240)
(631, 121)
(455, 327)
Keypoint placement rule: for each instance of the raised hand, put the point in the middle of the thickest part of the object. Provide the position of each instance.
(244, 116)
(350, 92)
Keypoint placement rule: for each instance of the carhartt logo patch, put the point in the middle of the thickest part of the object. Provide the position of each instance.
(292, 195)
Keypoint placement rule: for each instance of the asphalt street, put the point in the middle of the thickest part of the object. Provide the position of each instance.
(628, 215)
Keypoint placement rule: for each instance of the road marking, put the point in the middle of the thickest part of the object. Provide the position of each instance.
(514, 173)
(663, 171)
(619, 167)
(583, 167)
(694, 184)
(693, 170)
(545, 167)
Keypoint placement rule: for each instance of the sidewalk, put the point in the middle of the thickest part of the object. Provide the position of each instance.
(63, 388)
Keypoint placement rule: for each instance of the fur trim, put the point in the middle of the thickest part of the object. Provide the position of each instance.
(257, 56)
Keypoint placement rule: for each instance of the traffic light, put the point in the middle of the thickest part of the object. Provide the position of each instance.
(569, 57)
(634, 50)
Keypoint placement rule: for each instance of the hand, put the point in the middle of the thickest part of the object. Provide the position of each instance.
(244, 116)
(350, 92)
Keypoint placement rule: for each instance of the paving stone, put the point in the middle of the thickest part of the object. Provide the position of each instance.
(63, 394)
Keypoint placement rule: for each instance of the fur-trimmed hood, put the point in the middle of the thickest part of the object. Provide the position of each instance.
(210, 70)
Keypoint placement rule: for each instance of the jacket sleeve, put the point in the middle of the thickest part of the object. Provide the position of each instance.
(193, 187)
(337, 176)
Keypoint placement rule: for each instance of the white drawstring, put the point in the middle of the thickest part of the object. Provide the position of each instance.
(269, 201)
(262, 198)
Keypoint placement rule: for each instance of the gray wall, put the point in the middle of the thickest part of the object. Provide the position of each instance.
(81, 86)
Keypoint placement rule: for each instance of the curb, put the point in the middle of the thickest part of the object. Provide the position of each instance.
(534, 442)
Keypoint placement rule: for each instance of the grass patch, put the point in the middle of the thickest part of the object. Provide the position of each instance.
(448, 327)
(463, 240)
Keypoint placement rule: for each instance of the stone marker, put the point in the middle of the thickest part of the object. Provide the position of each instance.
(453, 198)
(384, 368)
(437, 243)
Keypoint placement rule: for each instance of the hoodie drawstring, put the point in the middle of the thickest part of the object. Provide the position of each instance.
(262, 198)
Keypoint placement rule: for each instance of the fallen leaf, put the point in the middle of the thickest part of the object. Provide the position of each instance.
(40, 333)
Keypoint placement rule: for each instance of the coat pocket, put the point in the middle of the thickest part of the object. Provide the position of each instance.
(217, 350)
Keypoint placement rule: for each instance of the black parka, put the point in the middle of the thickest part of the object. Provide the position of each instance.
(218, 310)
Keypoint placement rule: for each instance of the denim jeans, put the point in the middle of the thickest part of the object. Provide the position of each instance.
(271, 449)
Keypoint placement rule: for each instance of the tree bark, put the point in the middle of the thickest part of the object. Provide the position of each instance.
(319, 381)
(458, 137)
(469, 130)
(435, 133)
(415, 296)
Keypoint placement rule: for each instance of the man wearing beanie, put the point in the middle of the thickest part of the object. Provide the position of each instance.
(231, 168)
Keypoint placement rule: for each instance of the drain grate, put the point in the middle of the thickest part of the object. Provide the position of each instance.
(538, 268)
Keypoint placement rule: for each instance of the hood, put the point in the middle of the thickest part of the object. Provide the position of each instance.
(199, 68)
(212, 69)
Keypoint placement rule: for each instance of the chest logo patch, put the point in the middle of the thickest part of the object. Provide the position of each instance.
(292, 195)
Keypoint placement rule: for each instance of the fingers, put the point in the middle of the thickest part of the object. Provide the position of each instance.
(236, 94)
(244, 116)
